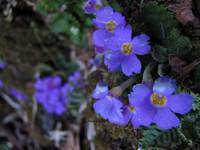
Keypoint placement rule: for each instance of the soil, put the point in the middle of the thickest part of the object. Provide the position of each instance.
(25, 43)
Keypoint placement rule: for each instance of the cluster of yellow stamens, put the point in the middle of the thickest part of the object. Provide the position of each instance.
(111, 25)
(98, 6)
(132, 109)
(127, 48)
(158, 100)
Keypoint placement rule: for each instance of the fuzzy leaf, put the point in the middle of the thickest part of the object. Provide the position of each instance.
(159, 20)
(155, 137)
(177, 44)
(159, 53)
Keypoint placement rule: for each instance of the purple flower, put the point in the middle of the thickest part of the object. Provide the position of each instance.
(19, 95)
(1, 84)
(91, 6)
(76, 79)
(2, 65)
(95, 61)
(158, 105)
(123, 49)
(99, 49)
(48, 83)
(99, 37)
(100, 91)
(108, 19)
(108, 106)
(56, 103)
(52, 95)
(66, 89)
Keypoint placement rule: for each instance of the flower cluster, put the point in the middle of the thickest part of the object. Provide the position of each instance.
(146, 106)
(114, 39)
(53, 95)
(19, 95)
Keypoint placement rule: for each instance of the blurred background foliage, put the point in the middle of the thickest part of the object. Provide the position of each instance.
(67, 17)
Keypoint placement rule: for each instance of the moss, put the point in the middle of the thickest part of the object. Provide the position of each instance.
(116, 137)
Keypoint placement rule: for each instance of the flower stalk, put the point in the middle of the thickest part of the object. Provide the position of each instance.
(118, 90)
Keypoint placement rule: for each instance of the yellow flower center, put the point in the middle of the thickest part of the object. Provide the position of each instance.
(127, 48)
(111, 25)
(132, 109)
(98, 6)
(158, 100)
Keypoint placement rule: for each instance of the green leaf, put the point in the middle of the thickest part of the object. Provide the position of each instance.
(188, 129)
(158, 19)
(67, 18)
(156, 137)
(59, 26)
(159, 53)
(44, 69)
(177, 44)
(47, 6)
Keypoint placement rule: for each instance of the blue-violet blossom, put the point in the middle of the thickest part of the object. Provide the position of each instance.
(76, 79)
(158, 105)
(107, 20)
(108, 106)
(2, 65)
(52, 95)
(94, 62)
(122, 50)
(19, 95)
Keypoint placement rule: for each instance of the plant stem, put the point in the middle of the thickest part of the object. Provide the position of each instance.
(118, 90)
